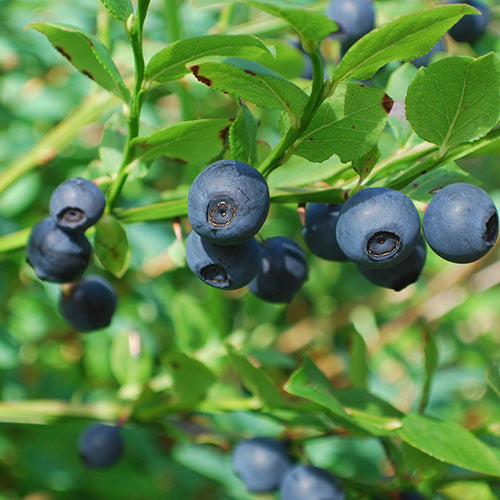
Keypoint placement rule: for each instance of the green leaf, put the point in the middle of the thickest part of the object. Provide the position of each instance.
(409, 36)
(253, 82)
(87, 54)
(157, 211)
(309, 382)
(363, 165)
(243, 136)
(450, 443)
(358, 361)
(307, 195)
(468, 490)
(347, 124)
(255, 380)
(111, 245)
(196, 141)
(455, 100)
(170, 63)
(121, 9)
(192, 379)
(493, 377)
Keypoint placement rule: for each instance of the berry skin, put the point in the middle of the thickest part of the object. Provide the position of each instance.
(89, 304)
(471, 26)
(461, 223)
(378, 228)
(76, 204)
(426, 59)
(319, 231)
(56, 255)
(401, 275)
(100, 445)
(227, 267)
(354, 18)
(228, 202)
(283, 270)
(261, 463)
(305, 482)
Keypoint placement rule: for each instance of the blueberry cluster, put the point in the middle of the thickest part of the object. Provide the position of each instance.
(228, 203)
(59, 252)
(264, 466)
(100, 445)
(379, 230)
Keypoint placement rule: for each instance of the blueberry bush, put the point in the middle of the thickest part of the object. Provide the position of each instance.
(247, 250)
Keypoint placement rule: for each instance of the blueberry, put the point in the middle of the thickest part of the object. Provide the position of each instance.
(222, 266)
(401, 275)
(228, 202)
(261, 463)
(410, 495)
(56, 255)
(461, 223)
(354, 18)
(100, 445)
(471, 26)
(427, 58)
(305, 482)
(378, 227)
(89, 304)
(319, 231)
(76, 204)
(283, 270)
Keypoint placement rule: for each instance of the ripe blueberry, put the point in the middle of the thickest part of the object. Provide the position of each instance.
(378, 227)
(401, 275)
(461, 223)
(228, 202)
(100, 445)
(56, 255)
(283, 270)
(89, 304)
(410, 495)
(228, 267)
(76, 204)
(471, 26)
(261, 463)
(319, 231)
(426, 59)
(354, 18)
(305, 482)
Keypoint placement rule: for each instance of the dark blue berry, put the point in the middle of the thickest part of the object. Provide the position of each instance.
(283, 270)
(410, 495)
(228, 267)
(228, 202)
(354, 18)
(471, 26)
(426, 59)
(461, 223)
(76, 204)
(261, 463)
(305, 482)
(56, 255)
(319, 231)
(100, 445)
(378, 227)
(89, 304)
(401, 275)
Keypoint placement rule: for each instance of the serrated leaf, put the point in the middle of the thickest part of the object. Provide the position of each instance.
(455, 100)
(170, 63)
(347, 124)
(253, 82)
(358, 372)
(111, 245)
(87, 54)
(196, 141)
(450, 443)
(410, 36)
(192, 379)
(121, 9)
(255, 380)
(243, 136)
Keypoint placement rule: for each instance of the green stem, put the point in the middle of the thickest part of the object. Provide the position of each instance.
(282, 150)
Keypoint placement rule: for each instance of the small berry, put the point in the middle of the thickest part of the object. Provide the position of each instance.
(100, 445)
(471, 26)
(354, 18)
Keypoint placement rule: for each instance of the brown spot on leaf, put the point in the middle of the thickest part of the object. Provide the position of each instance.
(250, 72)
(311, 139)
(436, 189)
(144, 144)
(203, 79)
(63, 52)
(353, 127)
(87, 73)
(180, 160)
(387, 103)
(223, 134)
